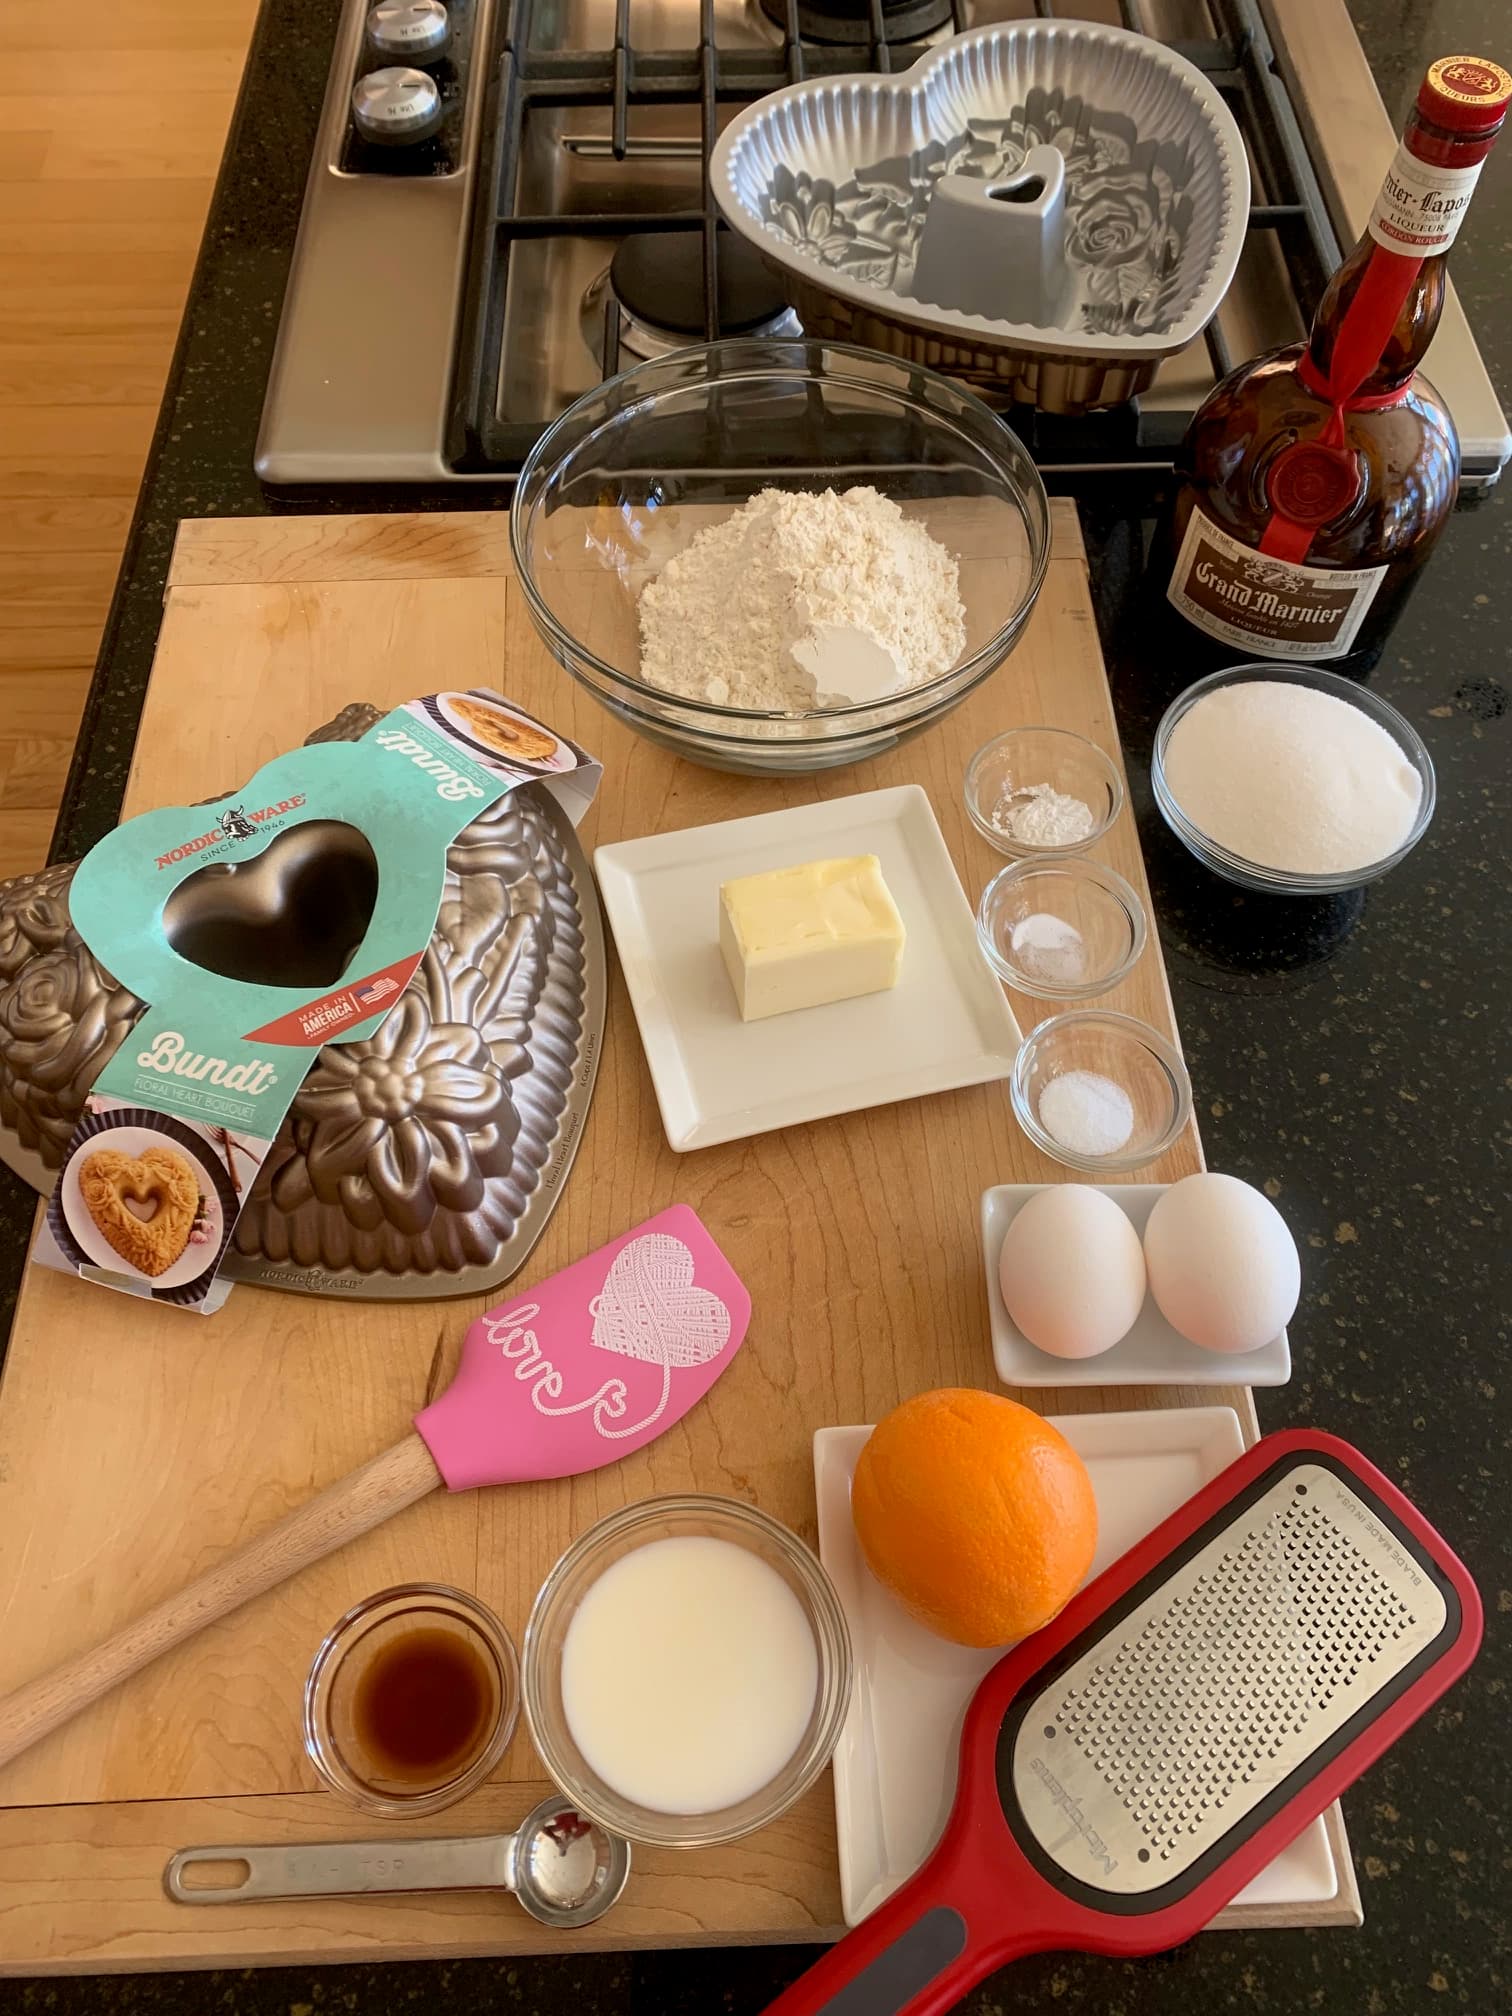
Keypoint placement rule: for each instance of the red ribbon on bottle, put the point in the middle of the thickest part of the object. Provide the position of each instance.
(1313, 481)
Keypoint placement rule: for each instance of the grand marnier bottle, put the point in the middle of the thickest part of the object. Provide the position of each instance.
(1313, 482)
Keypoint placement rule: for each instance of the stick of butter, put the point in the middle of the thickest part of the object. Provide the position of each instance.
(799, 937)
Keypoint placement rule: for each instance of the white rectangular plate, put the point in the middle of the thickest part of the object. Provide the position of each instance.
(947, 1022)
(1152, 1353)
(895, 1765)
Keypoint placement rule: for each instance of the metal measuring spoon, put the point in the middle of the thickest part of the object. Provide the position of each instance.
(565, 1869)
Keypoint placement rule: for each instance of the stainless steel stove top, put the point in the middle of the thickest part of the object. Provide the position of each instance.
(662, 25)
(534, 216)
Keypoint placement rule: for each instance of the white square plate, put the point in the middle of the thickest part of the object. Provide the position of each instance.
(895, 1765)
(1152, 1353)
(946, 1023)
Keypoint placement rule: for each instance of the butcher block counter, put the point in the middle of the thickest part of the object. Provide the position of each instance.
(153, 1440)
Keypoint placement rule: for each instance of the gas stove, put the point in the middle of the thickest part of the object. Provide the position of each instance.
(508, 203)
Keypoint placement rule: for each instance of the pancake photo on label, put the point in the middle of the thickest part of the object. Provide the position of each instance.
(505, 735)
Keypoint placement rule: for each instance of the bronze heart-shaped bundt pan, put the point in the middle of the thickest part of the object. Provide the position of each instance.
(495, 1042)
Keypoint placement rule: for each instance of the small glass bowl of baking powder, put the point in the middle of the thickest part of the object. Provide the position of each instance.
(1063, 929)
(1038, 791)
(1101, 1092)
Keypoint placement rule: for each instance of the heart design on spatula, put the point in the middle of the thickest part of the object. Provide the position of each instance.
(649, 1307)
(663, 1297)
(145, 1205)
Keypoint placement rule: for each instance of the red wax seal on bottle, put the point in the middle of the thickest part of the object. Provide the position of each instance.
(1310, 483)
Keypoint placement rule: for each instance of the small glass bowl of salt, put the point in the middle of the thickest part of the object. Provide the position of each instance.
(1037, 791)
(1100, 1092)
(1063, 929)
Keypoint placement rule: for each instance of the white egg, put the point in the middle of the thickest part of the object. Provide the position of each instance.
(1223, 1267)
(1072, 1271)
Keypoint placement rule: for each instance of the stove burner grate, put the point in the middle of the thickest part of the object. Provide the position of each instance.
(649, 300)
(1132, 448)
(853, 23)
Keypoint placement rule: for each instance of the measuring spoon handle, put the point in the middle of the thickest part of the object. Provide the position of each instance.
(346, 1869)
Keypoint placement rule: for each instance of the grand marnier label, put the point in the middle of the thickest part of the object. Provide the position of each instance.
(1275, 607)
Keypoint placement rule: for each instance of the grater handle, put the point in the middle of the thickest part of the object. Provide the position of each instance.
(947, 1928)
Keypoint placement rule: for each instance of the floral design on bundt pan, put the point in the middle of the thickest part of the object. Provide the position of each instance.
(62, 1017)
(1128, 210)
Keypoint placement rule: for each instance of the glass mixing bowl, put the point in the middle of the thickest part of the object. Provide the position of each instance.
(627, 476)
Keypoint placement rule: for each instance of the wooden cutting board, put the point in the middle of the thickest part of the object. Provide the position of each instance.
(139, 1443)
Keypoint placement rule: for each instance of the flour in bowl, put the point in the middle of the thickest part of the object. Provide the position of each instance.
(798, 602)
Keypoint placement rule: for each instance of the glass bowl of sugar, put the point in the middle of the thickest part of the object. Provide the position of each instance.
(1099, 1091)
(1062, 930)
(1290, 779)
(687, 1671)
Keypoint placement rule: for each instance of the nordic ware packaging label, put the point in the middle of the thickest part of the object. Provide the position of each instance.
(289, 914)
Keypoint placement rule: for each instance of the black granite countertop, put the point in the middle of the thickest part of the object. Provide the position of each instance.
(1354, 1060)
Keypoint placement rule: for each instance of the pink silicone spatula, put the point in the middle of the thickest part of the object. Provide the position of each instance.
(568, 1376)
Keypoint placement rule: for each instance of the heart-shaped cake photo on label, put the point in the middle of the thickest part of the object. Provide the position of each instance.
(145, 1198)
(144, 1204)
(292, 916)
(502, 734)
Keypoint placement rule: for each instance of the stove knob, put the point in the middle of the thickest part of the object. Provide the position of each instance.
(408, 31)
(396, 108)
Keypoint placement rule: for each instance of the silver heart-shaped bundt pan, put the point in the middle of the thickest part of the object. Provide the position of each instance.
(831, 181)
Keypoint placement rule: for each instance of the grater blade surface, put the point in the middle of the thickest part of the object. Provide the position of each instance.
(1143, 1755)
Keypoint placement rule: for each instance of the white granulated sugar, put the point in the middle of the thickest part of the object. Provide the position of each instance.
(1086, 1113)
(1292, 779)
(791, 570)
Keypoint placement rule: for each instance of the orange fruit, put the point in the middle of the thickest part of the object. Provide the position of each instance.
(975, 1513)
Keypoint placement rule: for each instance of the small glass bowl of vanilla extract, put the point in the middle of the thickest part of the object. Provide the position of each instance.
(411, 1700)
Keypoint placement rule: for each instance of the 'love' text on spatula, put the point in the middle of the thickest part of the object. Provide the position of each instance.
(569, 1375)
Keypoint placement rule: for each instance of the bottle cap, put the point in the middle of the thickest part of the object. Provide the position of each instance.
(1466, 94)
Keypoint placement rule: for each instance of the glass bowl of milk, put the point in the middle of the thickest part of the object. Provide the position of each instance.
(687, 1671)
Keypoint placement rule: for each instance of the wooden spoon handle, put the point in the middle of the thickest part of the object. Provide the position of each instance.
(351, 1506)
